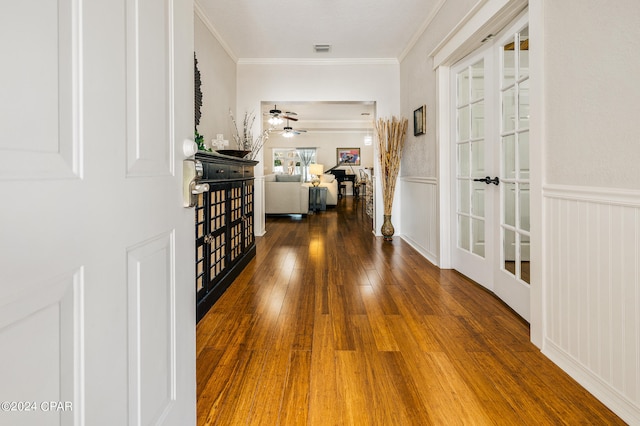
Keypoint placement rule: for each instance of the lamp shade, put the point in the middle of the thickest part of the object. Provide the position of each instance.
(316, 169)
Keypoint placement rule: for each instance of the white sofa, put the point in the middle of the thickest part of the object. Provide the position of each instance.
(289, 197)
(328, 181)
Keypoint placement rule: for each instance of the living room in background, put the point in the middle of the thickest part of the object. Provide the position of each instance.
(293, 161)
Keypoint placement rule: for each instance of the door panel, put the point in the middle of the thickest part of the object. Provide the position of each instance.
(512, 277)
(96, 261)
(472, 203)
(490, 151)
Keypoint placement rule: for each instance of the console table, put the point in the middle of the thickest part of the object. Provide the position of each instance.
(225, 241)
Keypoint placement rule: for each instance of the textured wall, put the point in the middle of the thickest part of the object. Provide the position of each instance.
(592, 91)
(218, 75)
(418, 87)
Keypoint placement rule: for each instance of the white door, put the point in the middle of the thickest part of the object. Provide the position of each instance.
(512, 270)
(490, 152)
(473, 200)
(97, 312)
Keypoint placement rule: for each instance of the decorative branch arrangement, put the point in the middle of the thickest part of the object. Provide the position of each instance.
(391, 136)
(246, 141)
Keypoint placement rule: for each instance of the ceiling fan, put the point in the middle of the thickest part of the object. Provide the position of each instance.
(277, 116)
(289, 132)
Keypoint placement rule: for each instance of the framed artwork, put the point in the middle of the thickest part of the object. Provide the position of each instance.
(349, 156)
(420, 121)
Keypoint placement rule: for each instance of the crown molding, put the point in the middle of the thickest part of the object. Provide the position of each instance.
(418, 34)
(313, 61)
(199, 12)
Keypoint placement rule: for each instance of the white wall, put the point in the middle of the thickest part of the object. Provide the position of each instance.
(318, 81)
(418, 87)
(591, 197)
(592, 68)
(420, 158)
(218, 77)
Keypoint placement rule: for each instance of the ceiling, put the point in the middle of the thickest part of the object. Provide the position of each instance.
(286, 29)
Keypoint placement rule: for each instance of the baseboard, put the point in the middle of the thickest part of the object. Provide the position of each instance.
(431, 257)
(610, 397)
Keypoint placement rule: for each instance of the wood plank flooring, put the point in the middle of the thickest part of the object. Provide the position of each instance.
(330, 325)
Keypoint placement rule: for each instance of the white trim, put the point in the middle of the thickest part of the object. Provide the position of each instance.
(418, 179)
(421, 30)
(199, 12)
(486, 18)
(316, 62)
(537, 167)
(431, 257)
(443, 135)
(607, 196)
(606, 394)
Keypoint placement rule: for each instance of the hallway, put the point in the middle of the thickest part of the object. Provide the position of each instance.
(330, 325)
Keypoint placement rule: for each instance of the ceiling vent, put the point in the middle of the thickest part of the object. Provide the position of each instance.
(321, 47)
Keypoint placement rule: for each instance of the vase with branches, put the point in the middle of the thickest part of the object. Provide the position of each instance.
(245, 141)
(391, 134)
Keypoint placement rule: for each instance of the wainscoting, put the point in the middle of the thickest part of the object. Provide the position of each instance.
(419, 216)
(592, 291)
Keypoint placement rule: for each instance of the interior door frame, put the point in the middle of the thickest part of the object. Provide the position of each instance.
(486, 19)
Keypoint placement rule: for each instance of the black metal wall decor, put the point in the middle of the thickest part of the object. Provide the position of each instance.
(198, 89)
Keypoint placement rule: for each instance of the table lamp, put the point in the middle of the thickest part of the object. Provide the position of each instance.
(316, 170)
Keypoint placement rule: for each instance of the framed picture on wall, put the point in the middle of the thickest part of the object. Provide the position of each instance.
(349, 156)
(420, 121)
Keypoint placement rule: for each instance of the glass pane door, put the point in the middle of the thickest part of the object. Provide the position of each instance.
(514, 153)
(470, 158)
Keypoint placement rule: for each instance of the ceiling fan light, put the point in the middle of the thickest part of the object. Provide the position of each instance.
(288, 135)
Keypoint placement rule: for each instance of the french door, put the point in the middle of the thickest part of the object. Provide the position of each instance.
(490, 155)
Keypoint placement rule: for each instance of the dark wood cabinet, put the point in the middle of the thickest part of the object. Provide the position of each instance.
(225, 241)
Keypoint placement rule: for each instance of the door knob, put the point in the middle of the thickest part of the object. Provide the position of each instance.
(192, 172)
(488, 180)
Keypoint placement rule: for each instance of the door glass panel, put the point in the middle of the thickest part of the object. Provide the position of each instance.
(463, 159)
(477, 120)
(463, 87)
(477, 199)
(477, 75)
(523, 198)
(470, 156)
(463, 123)
(508, 63)
(463, 232)
(463, 196)
(524, 53)
(477, 159)
(523, 105)
(478, 236)
(509, 251)
(509, 109)
(509, 191)
(525, 264)
(509, 157)
(523, 154)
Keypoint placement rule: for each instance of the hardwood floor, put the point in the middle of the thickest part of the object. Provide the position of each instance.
(330, 325)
